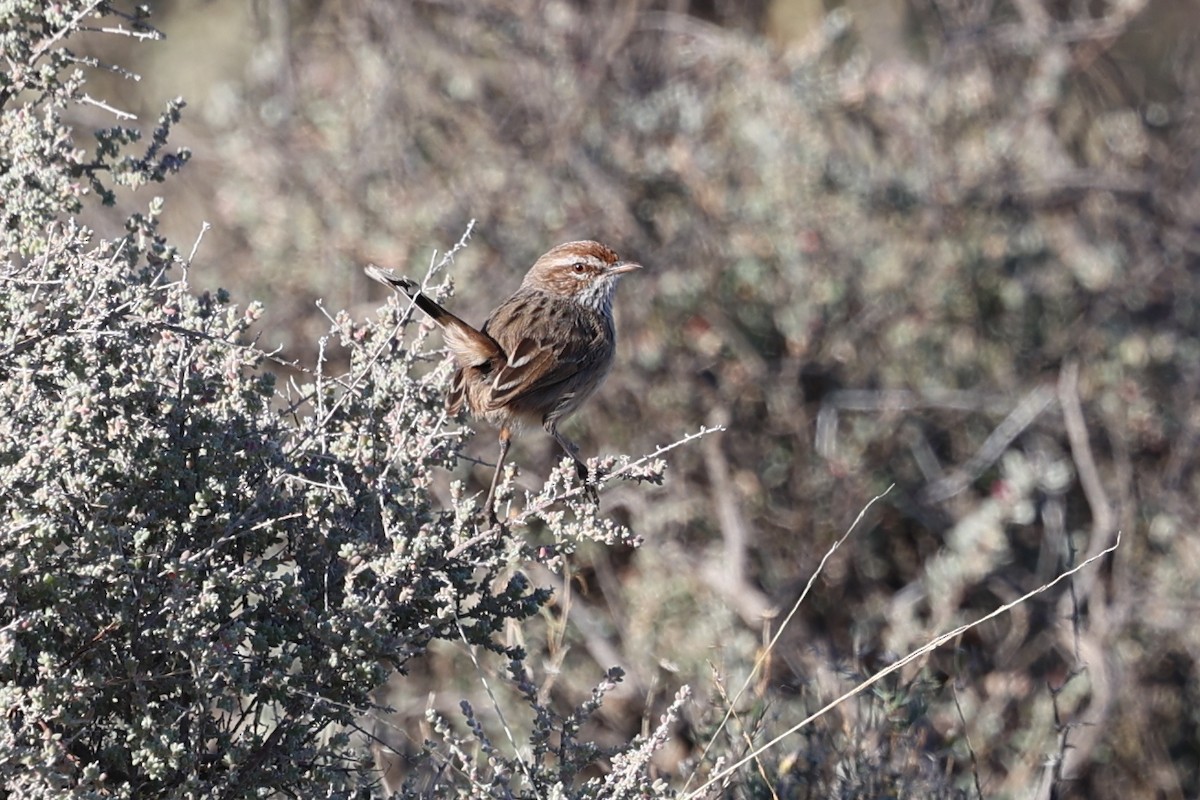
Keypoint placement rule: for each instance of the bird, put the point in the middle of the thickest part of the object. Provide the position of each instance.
(541, 353)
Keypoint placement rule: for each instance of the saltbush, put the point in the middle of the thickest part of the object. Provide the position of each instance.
(205, 574)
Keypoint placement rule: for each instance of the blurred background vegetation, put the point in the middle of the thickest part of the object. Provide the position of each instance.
(947, 244)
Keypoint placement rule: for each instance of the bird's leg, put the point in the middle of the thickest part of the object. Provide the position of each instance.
(571, 449)
(489, 504)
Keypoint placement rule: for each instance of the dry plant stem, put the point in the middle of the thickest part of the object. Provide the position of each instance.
(205, 227)
(1053, 770)
(1036, 20)
(1085, 643)
(48, 42)
(1103, 519)
(970, 747)
(766, 652)
(487, 687)
(896, 400)
(539, 507)
(348, 387)
(920, 652)
(116, 112)
(594, 629)
(762, 772)
(1024, 415)
(556, 633)
(728, 575)
(384, 343)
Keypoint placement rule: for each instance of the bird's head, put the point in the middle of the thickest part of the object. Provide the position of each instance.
(586, 271)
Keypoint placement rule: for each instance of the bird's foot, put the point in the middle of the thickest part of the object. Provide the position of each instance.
(590, 480)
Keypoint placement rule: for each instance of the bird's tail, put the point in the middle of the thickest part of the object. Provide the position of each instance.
(471, 348)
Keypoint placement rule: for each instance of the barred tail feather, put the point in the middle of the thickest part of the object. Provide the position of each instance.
(470, 347)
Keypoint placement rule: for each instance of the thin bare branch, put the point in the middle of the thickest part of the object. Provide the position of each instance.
(920, 652)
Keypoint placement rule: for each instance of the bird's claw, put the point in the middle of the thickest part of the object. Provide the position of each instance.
(591, 481)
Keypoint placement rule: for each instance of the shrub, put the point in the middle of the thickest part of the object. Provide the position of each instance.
(203, 576)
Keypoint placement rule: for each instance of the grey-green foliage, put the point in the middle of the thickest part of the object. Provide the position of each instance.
(202, 578)
(44, 169)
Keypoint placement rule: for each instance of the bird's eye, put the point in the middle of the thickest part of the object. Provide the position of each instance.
(579, 266)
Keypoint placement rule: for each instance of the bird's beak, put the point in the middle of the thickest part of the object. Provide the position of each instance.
(621, 267)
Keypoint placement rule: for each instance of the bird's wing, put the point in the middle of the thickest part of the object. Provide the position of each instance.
(540, 358)
(534, 366)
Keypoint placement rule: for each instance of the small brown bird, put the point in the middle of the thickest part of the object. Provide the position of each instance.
(541, 353)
